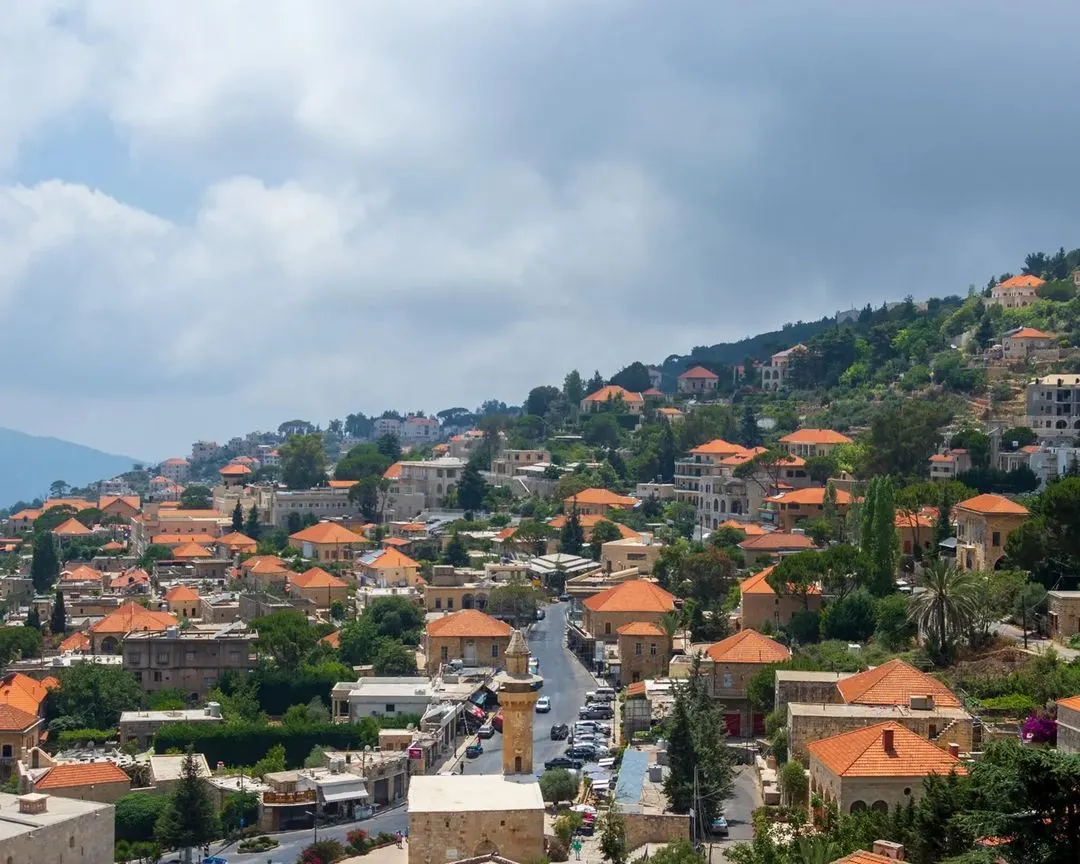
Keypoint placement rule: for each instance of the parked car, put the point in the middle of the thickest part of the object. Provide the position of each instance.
(543, 705)
(560, 732)
(474, 750)
(585, 752)
(540, 614)
(587, 828)
(564, 597)
(563, 762)
(595, 712)
(720, 826)
(594, 726)
(497, 722)
(600, 694)
(486, 731)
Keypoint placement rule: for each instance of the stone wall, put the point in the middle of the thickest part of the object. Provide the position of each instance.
(1068, 719)
(642, 828)
(84, 839)
(436, 838)
(808, 692)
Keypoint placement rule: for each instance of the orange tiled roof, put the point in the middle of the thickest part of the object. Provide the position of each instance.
(75, 642)
(1029, 333)
(82, 573)
(943, 457)
(641, 628)
(815, 436)
(811, 496)
(235, 540)
(391, 558)
(699, 372)
(600, 498)
(861, 856)
(68, 774)
(316, 577)
(393, 472)
(776, 541)
(235, 471)
(131, 618)
(1072, 702)
(1027, 281)
(894, 683)
(263, 564)
(669, 411)
(750, 529)
(759, 584)
(396, 541)
(172, 539)
(181, 594)
(133, 501)
(910, 519)
(134, 576)
(589, 521)
(71, 528)
(468, 622)
(192, 550)
(28, 514)
(77, 504)
(342, 484)
(637, 595)
(718, 447)
(614, 391)
(653, 393)
(23, 692)
(113, 546)
(326, 533)
(862, 753)
(748, 646)
(332, 639)
(990, 504)
(635, 689)
(14, 719)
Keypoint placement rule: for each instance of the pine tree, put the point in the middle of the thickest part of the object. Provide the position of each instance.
(58, 621)
(749, 431)
(613, 836)
(828, 506)
(455, 553)
(45, 565)
(572, 537)
(189, 818)
(33, 619)
(666, 454)
(252, 528)
(238, 518)
(472, 488)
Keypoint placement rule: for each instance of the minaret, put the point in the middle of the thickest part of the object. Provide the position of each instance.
(517, 698)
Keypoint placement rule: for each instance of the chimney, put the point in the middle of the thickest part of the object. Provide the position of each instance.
(954, 750)
(888, 849)
(887, 739)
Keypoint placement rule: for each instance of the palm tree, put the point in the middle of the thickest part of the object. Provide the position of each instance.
(947, 604)
(816, 850)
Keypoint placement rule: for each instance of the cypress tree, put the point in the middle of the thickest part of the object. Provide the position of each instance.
(238, 517)
(58, 621)
(885, 554)
(45, 565)
(252, 527)
(572, 537)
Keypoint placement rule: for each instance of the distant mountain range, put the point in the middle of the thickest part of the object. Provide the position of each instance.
(28, 464)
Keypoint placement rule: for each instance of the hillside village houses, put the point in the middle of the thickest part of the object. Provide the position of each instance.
(1016, 292)
(698, 380)
(774, 374)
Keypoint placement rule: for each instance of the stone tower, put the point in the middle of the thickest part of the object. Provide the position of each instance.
(517, 697)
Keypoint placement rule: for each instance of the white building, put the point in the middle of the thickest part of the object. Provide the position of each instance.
(387, 426)
(435, 478)
(394, 696)
(43, 829)
(1053, 408)
(204, 450)
(774, 373)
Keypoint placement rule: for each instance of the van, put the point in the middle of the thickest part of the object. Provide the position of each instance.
(601, 694)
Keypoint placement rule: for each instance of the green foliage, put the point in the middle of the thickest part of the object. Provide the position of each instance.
(363, 460)
(804, 626)
(572, 536)
(154, 552)
(1013, 704)
(472, 488)
(274, 760)
(169, 699)
(136, 815)
(456, 554)
(245, 743)
(1015, 482)
(19, 642)
(189, 818)
(279, 688)
(196, 497)
(892, 626)
(81, 737)
(680, 852)
(516, 600)
(303, 461)
(613, 836)
(92, 697)
(44, 565)
(238, 517)
(286, 637)
(603, 532)
(240, 810)
(393, 658)
(794, 783)
(903, 435)
(558, 785)
(947, 605)
(323, 852)
(58, 619)
(850, 619)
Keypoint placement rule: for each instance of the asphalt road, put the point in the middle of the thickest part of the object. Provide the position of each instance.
(565, 684)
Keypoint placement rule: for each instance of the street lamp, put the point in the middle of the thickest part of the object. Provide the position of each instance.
(314, 814)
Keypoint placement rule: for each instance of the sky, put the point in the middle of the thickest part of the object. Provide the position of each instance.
(218, 216)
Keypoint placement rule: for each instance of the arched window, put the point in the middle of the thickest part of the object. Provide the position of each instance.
(858, 806)
(879, 806)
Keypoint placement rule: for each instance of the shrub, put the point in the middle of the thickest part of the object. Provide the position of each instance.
(1039, 728)
(1011, 703)
(557, 850)
(136, 815)
(76, 737)
(323, 852)
(262, 843)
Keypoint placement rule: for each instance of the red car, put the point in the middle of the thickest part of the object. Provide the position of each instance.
(496, 721)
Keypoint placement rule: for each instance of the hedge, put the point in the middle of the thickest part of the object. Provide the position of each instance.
(280, 689)
(74, 737)
(247, 743)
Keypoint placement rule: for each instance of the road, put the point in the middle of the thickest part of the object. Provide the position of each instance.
(1038, 644)
(565, 683)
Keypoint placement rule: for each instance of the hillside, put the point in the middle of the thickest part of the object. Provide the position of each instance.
(28, 464)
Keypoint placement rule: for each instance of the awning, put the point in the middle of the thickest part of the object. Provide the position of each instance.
(352, 792)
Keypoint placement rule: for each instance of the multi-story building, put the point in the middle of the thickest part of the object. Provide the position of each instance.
(319, 587)
(634, 601)
(420, 430)
(773, 544)
(789, 510)
(724, 494)
(47, 829)
(598, 502)
(813, 442)
(760, 605)
(387, 426)
(108, 634)
(201, 450)
(698, 381)
(947, 464)
(327, 541)
(175, 470)
(644, 651)
(469, 636)
(509, 462)
(434, 478)
(983, 524)
(141, 726)
(1016, 292)
(20, 730)
(703, 462)
(1027, 343)
(1053, 407)
(192, 659)
(774, 374)
(323, 503)
(633, 403)
(463, 445)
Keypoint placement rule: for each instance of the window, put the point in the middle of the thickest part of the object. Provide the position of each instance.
(444, 654)
(390, 708)
(495, 652)
(729, 681)
(652, 649)
(438, 603)
(996, 538)
(157, 675)
(607, 628)
(7, 751)
(162, 656)
(637, 649)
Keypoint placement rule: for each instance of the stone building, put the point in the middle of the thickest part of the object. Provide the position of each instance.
(43, 829)
(730, 664)
(1064, 614)
(760, 604)
(983, 524)
(192, 659)
(627, 603)
(469, 636)
(644, 651)
(1068, 725)
(876, 768)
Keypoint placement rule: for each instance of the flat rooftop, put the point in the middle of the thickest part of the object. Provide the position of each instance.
(187, 715)
(13, 823)
(875, 712)
(795, 675)
(459, 793)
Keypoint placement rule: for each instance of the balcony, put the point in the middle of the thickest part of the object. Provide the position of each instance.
(285, 799)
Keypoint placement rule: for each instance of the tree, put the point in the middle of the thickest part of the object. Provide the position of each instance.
(946, 605)
(515, 601)
(977, 444)
(603, 532)
(136, 815)
(33, 619)
(572, 536)
(850, 619)
(17, 642)
(390, 447)
(240, 810)
(634, 377)
(884, 556)
(892, 626)
(393, 658)
(456, 553)
(613, 836)
(57, 488)
(252, 528)
(154, 552)
(1029, 603)
(573, 388)
(472, 488)
(370, 494)
(541, 399)
(1016, 437)
(749, 432)
(189, 819)
(303, 461)
(558, 785)
(821, 468)
(601, 429)
(93, 697)
(903, 435)
(238, 517)
(286, 637)
(196, 497)
(794, 784)
(58, 620)
(44, 565)
(595, 383)
(797, 574)
(363, 460)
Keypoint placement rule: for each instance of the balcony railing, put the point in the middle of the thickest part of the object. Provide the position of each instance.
(306, 796)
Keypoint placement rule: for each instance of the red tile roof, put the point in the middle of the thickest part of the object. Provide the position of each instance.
(68, 774)
(23, 692)
(1072, 702)
(641, 628)
(235, 471)
(600, 498)
(1029, 333)
(391, 558)
(815, 436)
(82, 573)
(393, 472)
(192, 550)
(748, 646)
(699, 372)
(777, 541)
(636, 595)
(614, 391)
(468, 622)
(14, 719)
(810, 496)
(863, 753)
(718, 447)
(181, 594)
(131, 618)
(71, 528)
(316, 577)
(894, 683)
(332, 639)
(991, 504)
(326, 533)
(75, 642)
(750, 529)
(861, 856)
(1026, 281)
(236, 540)
(759, 584)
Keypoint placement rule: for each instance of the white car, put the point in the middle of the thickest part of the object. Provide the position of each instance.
(543, 705)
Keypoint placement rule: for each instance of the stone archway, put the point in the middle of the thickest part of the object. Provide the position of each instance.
(485, 847)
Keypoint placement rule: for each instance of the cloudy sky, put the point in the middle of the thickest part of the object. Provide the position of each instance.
(215, 216)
